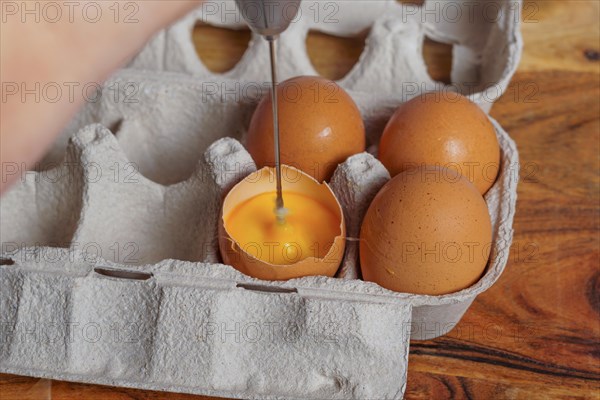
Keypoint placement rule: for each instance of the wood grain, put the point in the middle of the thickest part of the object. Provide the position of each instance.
(220, 49)
(535, 334)
(333, 56)
(558, 35)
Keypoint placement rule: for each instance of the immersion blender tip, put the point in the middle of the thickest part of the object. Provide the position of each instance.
(281, 213)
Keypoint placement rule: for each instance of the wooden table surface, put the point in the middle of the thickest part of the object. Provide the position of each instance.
(536, 333)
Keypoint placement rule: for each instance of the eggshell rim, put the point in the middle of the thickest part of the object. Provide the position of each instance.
(339, 241)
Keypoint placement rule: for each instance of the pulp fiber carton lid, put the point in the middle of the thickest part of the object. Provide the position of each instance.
(485, 38)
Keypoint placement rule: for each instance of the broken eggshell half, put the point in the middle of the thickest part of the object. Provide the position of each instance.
(293, 181)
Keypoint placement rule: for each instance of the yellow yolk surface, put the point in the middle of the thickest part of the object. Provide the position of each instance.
(308, 231)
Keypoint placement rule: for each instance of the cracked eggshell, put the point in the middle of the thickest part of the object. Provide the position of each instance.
(294, 180)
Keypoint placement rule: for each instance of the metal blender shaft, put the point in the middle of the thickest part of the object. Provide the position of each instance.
(269, 18)
(279, 206)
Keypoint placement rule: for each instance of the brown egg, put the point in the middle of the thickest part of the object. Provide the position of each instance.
(427, 231)
(443, 129)
(319, 124)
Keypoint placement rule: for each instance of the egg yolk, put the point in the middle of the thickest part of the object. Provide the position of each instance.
(308, 231)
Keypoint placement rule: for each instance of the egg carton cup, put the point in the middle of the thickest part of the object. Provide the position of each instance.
(485, 36)
(110, 268)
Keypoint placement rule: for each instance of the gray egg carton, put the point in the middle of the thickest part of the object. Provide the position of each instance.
(110, 268)
(111, 277)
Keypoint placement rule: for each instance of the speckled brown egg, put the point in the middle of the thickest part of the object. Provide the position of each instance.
(443, 129)
(427, 231)
(320, 126)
